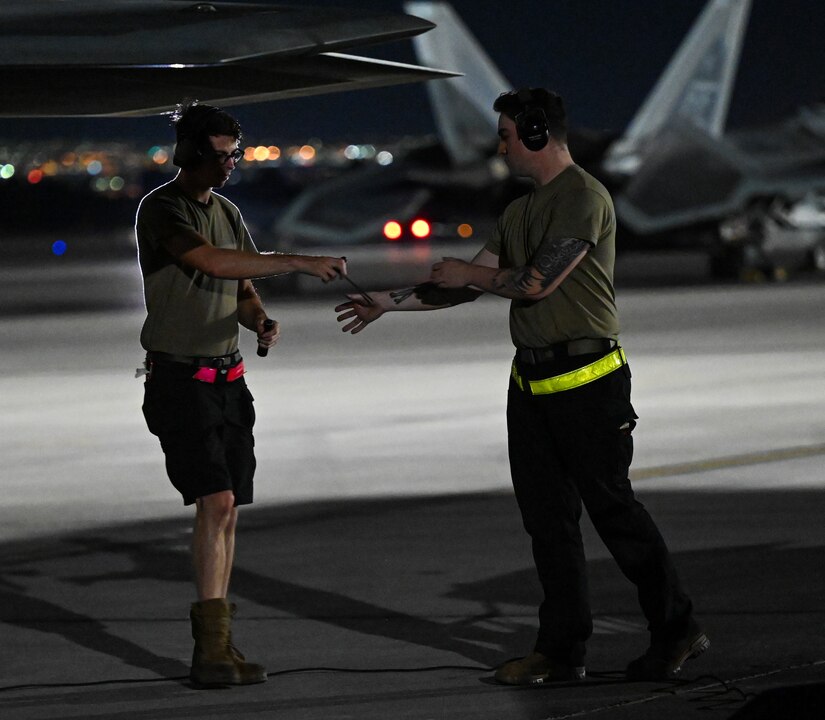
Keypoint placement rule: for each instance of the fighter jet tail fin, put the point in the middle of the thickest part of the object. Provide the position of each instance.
(695, 87)
(463, 106)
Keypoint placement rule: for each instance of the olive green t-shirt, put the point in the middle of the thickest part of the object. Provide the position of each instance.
(188, 313)
(572, 205)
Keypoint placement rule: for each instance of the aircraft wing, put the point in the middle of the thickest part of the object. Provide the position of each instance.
(140, 57)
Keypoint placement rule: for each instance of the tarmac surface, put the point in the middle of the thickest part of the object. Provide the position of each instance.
(383, 572)
(400, 608)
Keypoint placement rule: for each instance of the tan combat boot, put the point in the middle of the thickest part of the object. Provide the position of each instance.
(214, 660)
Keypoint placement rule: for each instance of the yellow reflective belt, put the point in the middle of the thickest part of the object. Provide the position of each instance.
(575, 378)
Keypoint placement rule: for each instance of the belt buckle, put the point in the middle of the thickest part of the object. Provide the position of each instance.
(225, 361)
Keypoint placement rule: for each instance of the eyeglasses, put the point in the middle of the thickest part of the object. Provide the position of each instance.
(223, 157)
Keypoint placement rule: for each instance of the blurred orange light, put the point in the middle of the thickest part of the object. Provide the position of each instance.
(249, 153)
(274, 152)
(392, 230)
(35, 176)
(306, 153)
(465, 230)
(420, 228)
(261, 153)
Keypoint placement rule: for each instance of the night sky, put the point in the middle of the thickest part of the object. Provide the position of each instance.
(603, 56)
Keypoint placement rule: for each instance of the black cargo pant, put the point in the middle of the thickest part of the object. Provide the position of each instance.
(574, 447)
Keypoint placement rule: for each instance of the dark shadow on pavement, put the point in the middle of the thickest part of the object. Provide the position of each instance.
(417, 584)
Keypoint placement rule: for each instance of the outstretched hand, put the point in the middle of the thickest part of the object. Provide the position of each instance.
(358, 313)
(326, 268)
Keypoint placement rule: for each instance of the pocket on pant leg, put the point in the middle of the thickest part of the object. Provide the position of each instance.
(240, 409)
(619, 422)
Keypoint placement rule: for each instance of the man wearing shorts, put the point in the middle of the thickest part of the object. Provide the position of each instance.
(196, 257)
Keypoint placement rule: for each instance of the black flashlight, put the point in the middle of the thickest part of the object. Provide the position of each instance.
(262, 349)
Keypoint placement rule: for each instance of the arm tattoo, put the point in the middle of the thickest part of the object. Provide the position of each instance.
(554, 257)
(399, 296)
(551, 260)
(431, 294)
(522, 277)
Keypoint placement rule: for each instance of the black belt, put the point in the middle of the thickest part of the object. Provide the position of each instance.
(571, 348)
(221, 361)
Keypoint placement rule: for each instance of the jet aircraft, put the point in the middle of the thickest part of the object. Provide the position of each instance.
(678, 177)
(445, 179)
(684, 179)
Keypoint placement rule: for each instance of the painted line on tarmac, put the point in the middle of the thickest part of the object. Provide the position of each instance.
(701, 466)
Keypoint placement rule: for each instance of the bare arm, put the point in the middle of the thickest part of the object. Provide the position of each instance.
(251, 314)
(425, 296)
(554, 261)
(429, 296)
(193, 250)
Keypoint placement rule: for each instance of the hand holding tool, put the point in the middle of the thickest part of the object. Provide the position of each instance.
(262, 349)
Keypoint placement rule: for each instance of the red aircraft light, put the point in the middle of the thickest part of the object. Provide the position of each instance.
(392, 230)
(420, 228)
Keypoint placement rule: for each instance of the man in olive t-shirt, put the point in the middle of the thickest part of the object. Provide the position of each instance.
(188, 312)
(569, 416)
(197, 259)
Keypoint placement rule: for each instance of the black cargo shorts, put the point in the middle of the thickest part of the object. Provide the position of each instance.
(205, 430)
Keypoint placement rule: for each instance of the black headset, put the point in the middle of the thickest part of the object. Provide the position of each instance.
(531, 123)
(189, 148)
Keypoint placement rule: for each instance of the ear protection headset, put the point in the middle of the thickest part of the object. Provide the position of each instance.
(531, 123)
(189, 150)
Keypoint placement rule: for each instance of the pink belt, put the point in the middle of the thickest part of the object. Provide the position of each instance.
(213, 375)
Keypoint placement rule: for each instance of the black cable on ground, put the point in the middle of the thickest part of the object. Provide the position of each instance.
(276, 673)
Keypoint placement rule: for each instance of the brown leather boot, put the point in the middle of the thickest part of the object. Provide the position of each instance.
(248, 670)
(213, 661)
(237, 654)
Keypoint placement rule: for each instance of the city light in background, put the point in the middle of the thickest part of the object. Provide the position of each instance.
(121, 170)
(113, 167)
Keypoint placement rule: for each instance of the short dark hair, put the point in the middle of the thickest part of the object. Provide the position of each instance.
(515, 102)
(197, 122)
(194, 123)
